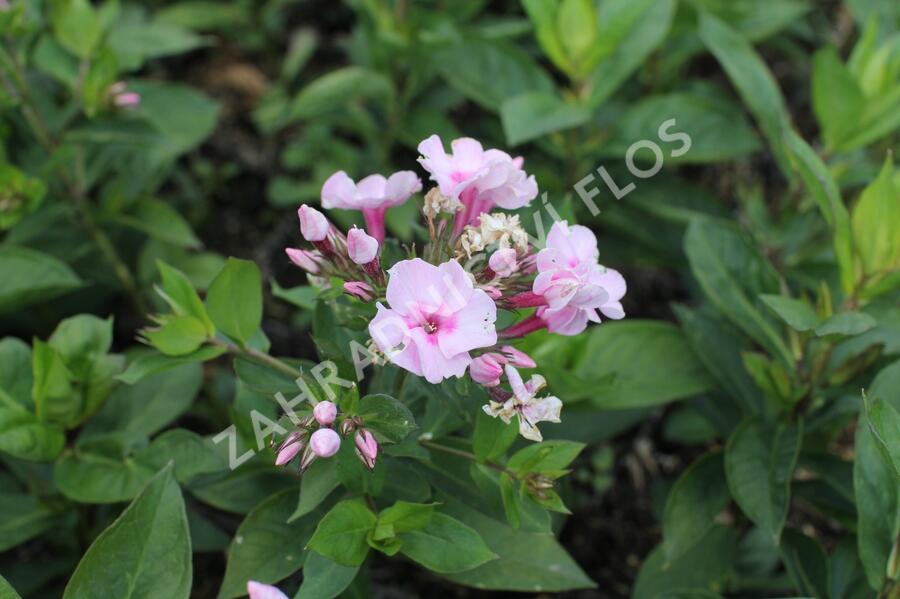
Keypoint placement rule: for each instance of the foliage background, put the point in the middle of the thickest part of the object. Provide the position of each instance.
(728, 451)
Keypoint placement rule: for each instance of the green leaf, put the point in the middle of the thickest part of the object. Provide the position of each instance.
(23, 517)
(759, 464)
(730, 273)
(332, 91)
(178, 336)
(323, 578)
(77, 26)
(838, 100)
(534, 114)
(82, 337)
(150, 363)
(181, 115)
(717, 128)
(317, 483)
(492, 436)
(161, 221)
(30, 277)
(698, 496)
(25, 437)
(341, 534)
(526, 561)
(821, 185)
(179, 293)
(404, 516)
(846, 323)
(753, 80)
(265, 547)
(16, 379)
(798, 314)
(806, 563)
(234, 300)
(387, 417)
(549, 456)
(504, 71)
(883, 421)
(576, 24)
(136, 41)
(875, 222)
(22, 195)
(446, 545)
(55, 399)
(146, 552)
(619, 355)
(543, 15)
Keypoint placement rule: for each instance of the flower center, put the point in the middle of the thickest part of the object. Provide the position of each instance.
(430, 327)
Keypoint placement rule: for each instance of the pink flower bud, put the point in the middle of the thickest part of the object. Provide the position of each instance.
(325, 442)
(325, 412)
(304, 259)
(366, 447)
(127, 100)
(313, 224)
(492, 291)
(503, 262)
(361, 247)
(487, 369)
(360, 290)
(517, 357)
(258, 590)
(289, 449)
(527, 299)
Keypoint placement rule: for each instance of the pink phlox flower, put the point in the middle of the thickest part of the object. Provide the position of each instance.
(372, 195)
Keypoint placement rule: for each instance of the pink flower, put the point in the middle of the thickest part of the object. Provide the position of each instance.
(503, 262)
(436, 317)
(289, 449)
(523, 404)
(361, 247)
(307, 260)
(478, 178)
(127, 100)
(574, 285)
(366, 447)
(325, 442)
(313, 224)
(258, 590)
(487, 369)
(360, 290)
(517, 357)
(325, 412)
(373, 195)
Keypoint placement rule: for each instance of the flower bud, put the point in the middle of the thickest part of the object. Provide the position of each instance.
(325, 412)
(313, 224)
(308, 457)
(359, 290)
(258, 590)
(289, 449)
(304, 259)
(348, 426)
(503, 262)
(366, 447)
(517, 357)
(362, 248)
(487, 369)
(527, 299)
(127, 100)
(325, 442)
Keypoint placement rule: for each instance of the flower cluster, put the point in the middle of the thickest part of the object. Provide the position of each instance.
(316, 437)
(436, 314)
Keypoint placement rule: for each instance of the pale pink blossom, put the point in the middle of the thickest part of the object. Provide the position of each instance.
(479, 178)
(373, 195)
(573, 284)
(325, 412)
(487, 369)
(361, 248)
(517, 357)
(503, 262)
(305, 259)
(313, 224)
(366, 447)
(436, 317)
(325, 442)
(258, 590)
(525, 405)
(360, 290)
(127, 100)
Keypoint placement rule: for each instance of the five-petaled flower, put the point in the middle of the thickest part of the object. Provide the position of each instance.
(523, 404)
(373, 195)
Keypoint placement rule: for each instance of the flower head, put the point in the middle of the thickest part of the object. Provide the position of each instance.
(436, 317)
(574, 285)
(325, 412)
(529, 409)
(373, 195)
(313, 224)
(479, 178)
(325, 442)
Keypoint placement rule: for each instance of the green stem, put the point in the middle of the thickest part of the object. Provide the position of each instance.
(466, 455)
(259, 357)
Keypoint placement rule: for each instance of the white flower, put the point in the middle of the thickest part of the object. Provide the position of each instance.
(497, 228)
(436, 202)
(525, 405)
